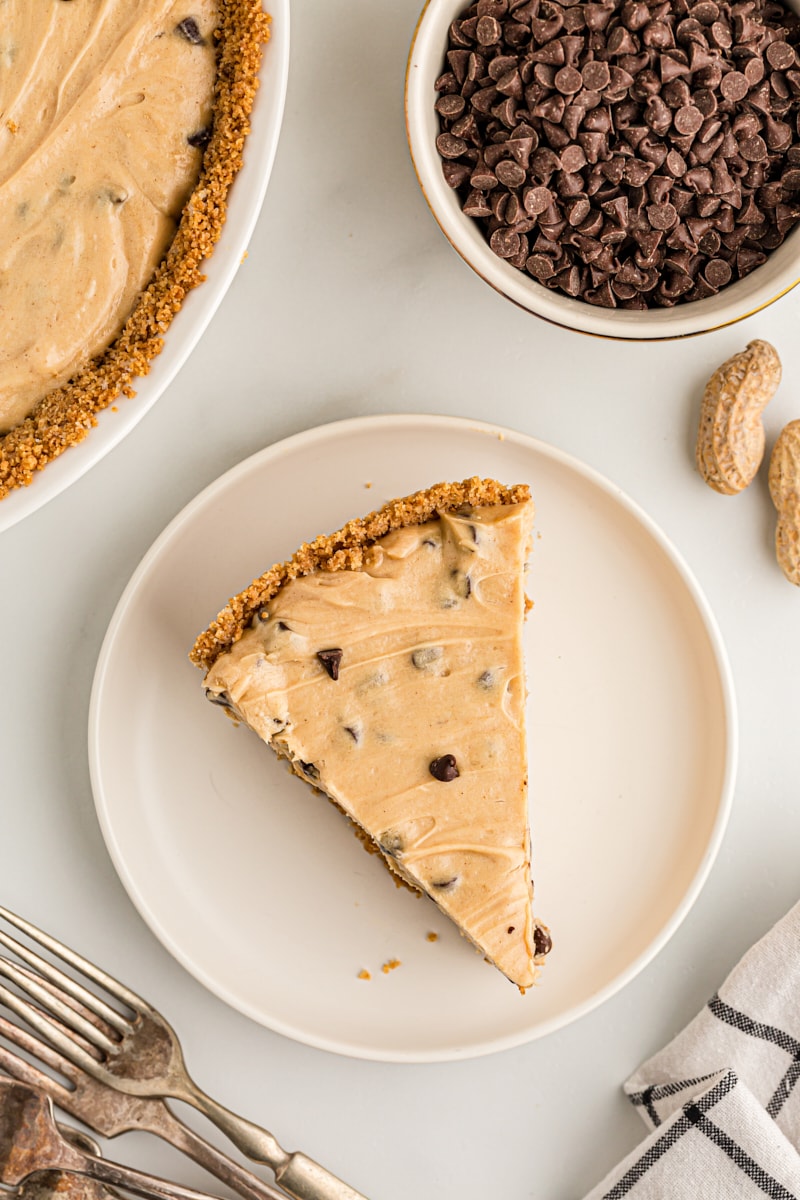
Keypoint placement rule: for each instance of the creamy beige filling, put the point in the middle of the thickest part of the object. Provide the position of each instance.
(430, 667)
(98, 101)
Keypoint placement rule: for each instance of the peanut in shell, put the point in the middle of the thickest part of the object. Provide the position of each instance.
(730, 440)
(784, 488)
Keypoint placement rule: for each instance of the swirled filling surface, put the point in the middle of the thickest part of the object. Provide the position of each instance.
(105, 108)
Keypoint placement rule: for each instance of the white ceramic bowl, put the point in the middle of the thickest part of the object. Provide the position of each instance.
(246, 198)
(767, 283)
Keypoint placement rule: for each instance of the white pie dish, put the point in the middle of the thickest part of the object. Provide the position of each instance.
(258, 886)
(245, 201)
(778, 275)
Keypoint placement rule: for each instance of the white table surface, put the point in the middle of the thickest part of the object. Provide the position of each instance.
(351, 302)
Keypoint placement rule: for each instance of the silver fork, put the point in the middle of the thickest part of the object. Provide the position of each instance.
(139, 1055)
(31, 1141)
(110, 1112)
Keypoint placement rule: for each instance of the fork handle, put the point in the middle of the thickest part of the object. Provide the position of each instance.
(138, 1182)
(237, 1177)
(307, 1180)
(296, 1173)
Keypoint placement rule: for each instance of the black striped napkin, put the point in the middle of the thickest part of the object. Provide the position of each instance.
(722, 1098)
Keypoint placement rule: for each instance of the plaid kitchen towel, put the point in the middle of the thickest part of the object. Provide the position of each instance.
(721, 1098)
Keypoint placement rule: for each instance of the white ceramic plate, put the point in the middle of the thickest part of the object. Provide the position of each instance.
(246, 198)
(258, 886)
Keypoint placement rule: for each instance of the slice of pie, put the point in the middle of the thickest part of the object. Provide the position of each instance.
(385, 663)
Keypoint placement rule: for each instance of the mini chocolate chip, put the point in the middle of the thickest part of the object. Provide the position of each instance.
(447, 84)
(425, 656)
(753, 148)
(705, 101)
(747, 260)
(635, 15)
(487, 680)
(449, 146)
(662, 216)
(392, 843)
(444, 769)
(475, 205)
(505, 243)
(445, 885)
(709, 243)
(688, 119)
(540, 267)
(510, 929)
(536, 200)
(309, 769)
(778, 133)
(330, 660)
(455, 174)
(220, 698)
(201, 138)
(542, 942)
(706, 12)
(573, 159)
(717, 272)
(488, 31)
(568, 81)
(596, 75)
(754, 71)
(510, 173)
(190, 30)
(675, 164)
(462, 584)
(780, 56)
(734, 86)
(450, 105)
(721, 35)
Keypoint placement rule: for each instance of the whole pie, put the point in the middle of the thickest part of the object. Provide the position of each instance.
(384, 662)
(121, 130)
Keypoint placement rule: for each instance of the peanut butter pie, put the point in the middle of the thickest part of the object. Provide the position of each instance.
(385, 663)
(121, 131)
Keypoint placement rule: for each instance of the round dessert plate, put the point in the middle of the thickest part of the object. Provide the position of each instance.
(256, 883)
(244, 205)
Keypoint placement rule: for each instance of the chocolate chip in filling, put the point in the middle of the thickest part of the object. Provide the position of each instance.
(331, 660)
(542, 941)
(426, 656)
(190, 30)
(445, 768)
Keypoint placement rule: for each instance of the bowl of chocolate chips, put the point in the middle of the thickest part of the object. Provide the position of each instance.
(628, 168)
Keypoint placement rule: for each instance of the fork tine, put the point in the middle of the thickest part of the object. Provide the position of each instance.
(47, 1028)
(116, 989)
(38, 1049)
(26, 1072)
(75, 1005)
(60, 980)
(52, 1003)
